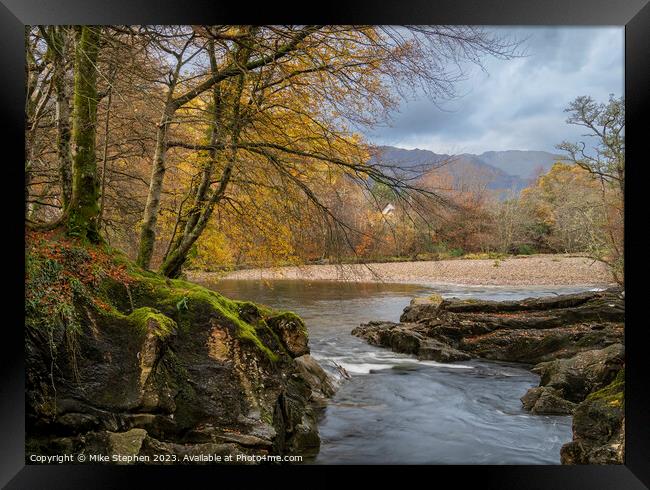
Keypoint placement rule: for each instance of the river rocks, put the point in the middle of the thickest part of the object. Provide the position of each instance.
(599, 427)
(568, 308)
(164, 367)
(566, 382)
(574, 340)
(408, 338)
(547, 401)
(292, 332)
(322, 384)
(127, 443)
(533, 330)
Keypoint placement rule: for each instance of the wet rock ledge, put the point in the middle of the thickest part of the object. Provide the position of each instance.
(574, 341)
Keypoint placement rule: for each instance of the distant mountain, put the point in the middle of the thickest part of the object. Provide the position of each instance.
(502, 170)
(525, 164)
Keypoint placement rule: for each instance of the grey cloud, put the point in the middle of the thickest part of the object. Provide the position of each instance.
(519, 103)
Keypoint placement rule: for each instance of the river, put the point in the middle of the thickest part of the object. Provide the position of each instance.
(395, 409)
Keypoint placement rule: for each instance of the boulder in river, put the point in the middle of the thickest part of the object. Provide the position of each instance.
(599, 427)
(408, 338)
(566, 382)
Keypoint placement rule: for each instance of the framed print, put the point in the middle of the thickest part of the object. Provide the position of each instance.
(259, 244)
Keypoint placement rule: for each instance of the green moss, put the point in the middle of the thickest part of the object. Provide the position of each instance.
(185, 297)
(165, 326)
(118, 256)
(264, 311)
(51, 295)
(612, 394)
(65, 280)
(436, 299)
(269, 336)
(267, 416)
(290, 316)
(83, 211)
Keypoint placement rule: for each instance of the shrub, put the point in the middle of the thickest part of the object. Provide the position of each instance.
(525, 249)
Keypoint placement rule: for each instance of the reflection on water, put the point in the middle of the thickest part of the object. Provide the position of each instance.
(396, 409)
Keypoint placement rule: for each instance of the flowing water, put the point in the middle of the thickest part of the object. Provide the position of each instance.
(395, 409)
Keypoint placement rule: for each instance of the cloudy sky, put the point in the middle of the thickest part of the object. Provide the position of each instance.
(516, 104)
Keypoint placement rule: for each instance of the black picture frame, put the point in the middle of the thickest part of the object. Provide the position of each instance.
(633, 14)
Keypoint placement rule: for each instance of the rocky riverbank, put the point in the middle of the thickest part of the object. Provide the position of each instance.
(536, 270)
(575, 342)
(123, 362)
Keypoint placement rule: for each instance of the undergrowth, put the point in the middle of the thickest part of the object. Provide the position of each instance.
(68, 282)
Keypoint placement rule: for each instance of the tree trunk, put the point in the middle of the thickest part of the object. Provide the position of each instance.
(173, 263)
(242, 64)
(150, 218)
(28, 159)
(105, 149)
(84, 206)
(202, 207)
(60, 43)
(188, 224)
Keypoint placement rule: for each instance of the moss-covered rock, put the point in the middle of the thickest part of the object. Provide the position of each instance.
(292, 332)
(151, 320)
(599, 427)
(566, 382)
(126, 443)
(112, 349)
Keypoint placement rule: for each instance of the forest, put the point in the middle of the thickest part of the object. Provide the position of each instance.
(221, 147)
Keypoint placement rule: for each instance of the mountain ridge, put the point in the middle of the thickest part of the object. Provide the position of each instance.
(501, 170)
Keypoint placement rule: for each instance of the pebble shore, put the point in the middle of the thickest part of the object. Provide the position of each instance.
(535, 270)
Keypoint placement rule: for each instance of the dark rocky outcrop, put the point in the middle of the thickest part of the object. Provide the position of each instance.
(574, 340)
(566, 382)
(323, 386)
(599, 427)
(122, 361)
(531, 331)
(409, 338)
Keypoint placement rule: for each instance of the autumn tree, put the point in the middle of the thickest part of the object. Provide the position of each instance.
(38, 113)
(604, 159)
(563, 221)
(298, 102)
(157, 129)
(175, 101)
(605, 122)
(59, 41)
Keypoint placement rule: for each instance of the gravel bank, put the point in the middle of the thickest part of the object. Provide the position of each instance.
(536, 270)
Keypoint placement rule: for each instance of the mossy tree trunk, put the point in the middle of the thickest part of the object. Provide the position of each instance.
(58, 42)
(83, 216)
